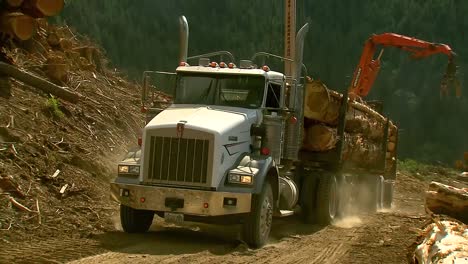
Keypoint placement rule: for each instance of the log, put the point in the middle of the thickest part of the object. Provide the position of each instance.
(357, 149)
(320, 138)
(463, 177)
(448, 200)
(360, 151)
(39, 83)
(18, 25)
(42, 8)
(391, 146)
(320, 103)
(442, 242)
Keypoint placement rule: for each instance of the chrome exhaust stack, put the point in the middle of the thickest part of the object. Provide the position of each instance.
(184, 37)
(296, 101)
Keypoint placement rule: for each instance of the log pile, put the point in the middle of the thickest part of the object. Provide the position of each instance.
(18, 17)
(443, 242)
(52, 51)
(364, 129)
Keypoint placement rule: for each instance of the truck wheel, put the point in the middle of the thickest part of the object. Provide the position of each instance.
(388, 195)
(135, 221)
(257, 226)
(327, 199)
(308, 200)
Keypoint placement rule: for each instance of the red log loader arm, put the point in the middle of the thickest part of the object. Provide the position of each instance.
(368, 67)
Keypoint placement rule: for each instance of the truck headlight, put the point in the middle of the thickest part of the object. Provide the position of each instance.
(130, 169)
(240, 179)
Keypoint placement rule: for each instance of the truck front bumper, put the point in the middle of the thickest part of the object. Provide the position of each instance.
(186, 201)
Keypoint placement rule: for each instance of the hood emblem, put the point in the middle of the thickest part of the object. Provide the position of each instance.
(180, 128)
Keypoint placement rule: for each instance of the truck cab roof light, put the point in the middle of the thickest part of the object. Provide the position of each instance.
(266, 68)
(183, 63)
(231, 65)
(222, 64)
(265, 151)
(213, 64)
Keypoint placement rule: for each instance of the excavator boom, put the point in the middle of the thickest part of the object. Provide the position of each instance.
(368, 68)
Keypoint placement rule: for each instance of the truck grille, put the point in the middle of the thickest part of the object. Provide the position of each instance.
(177, 160)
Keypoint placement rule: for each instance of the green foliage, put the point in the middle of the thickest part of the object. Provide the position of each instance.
(143, 35)
(425, 171)
(53, 106)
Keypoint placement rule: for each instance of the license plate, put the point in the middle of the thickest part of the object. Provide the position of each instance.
(173, 217)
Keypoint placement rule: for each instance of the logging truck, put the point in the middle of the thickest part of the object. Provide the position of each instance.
(230, 148)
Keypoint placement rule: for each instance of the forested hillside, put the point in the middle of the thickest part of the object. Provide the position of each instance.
(142, 35)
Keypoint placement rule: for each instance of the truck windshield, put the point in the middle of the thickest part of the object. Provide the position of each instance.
(227, 90)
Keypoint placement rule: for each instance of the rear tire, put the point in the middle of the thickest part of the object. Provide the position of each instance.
(320, 199)
(134, 220)
(388, 195)
(257, 226)
(308, 199)
(327, 199)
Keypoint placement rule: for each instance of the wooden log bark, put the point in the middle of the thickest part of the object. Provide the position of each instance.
(357, 149)
(39, 83)
(42, 8)
(442, 242)
(448, 200)
(18, 25)
(361, 151)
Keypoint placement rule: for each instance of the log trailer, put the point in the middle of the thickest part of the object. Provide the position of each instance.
(368, 68)
(228, 150)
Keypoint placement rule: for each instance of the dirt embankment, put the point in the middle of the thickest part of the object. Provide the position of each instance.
(56, 157)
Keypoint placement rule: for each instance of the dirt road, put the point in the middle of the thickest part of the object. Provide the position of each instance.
(384, 237)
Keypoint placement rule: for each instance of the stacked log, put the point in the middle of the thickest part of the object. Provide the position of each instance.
(364, 127)
(442, 242)
(445, 241)
(448, 200)
(18, 17)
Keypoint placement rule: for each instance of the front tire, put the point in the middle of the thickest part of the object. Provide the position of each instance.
(134, 220)
(257, 226)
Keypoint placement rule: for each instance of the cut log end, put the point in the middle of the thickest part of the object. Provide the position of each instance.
(49, 7)
(18, 25)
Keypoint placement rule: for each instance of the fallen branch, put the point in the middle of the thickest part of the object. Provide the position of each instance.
(19, 205)
(39, 83)
(38, 211)
(9, 227)
(56, 173)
